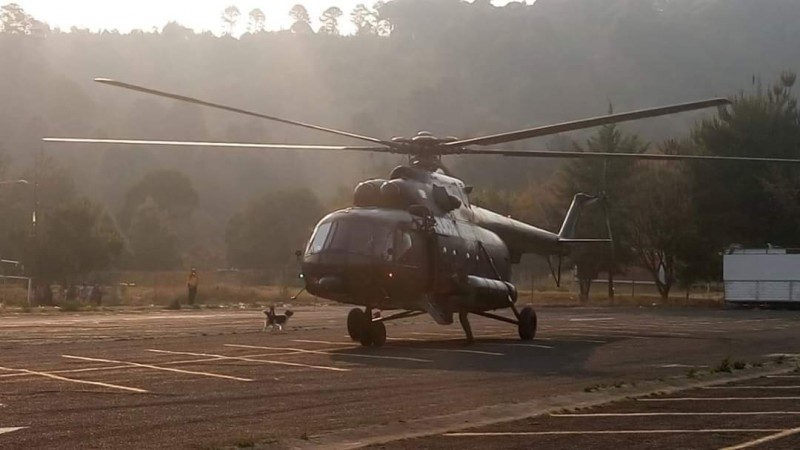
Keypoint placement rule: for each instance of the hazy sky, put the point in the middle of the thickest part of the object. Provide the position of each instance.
(125, 15)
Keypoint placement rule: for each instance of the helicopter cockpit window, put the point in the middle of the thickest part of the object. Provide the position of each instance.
(362, 238)
(318, 241)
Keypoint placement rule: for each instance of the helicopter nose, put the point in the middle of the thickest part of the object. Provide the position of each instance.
(331, 283)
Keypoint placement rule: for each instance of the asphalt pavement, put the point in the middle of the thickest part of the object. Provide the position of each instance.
(213, 379)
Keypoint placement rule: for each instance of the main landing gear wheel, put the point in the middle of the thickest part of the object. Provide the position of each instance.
(373, 334)
(356, 319)
(527, 324)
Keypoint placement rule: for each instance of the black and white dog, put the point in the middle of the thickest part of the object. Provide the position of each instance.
(276, 321)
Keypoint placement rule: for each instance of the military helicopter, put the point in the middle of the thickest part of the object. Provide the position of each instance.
(413, 242)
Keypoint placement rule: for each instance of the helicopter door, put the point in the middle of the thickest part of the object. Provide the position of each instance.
(410, 268)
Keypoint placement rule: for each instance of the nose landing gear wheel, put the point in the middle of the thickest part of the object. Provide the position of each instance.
(373, 334)
(356, 320)
(527, 324)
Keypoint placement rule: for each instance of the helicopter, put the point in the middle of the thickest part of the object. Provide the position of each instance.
(413, 242)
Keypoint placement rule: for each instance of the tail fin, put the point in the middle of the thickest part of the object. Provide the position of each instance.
(567, 232)
(580, 200)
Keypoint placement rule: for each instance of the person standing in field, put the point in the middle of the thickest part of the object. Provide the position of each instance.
(191, 283)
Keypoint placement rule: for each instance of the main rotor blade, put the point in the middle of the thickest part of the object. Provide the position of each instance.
(588, 123)
(640, 156)
(196, 101)
(219, 144)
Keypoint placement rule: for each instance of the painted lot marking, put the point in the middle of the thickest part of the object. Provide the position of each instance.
(569, 433)
(760, 441)
(784, 376)
(150, 366)
(678, 414)
(510, 344)
(750, 387)
(712, 399)
(569, 339)
(72, 380)
(325, 352)
(678, 366)
(10, 429)
(447, 350)
(252, 359)
(591, 319)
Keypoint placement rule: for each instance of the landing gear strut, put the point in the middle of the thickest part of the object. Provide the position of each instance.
(525, 322)
(463, 317)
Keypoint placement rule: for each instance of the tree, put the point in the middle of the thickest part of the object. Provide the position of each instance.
(267, 233)
(600, 177)
(230, 16)
(660, 211)
(302, 20)
(363, 19)
(152, 243)
(177, 31)
(75, 239)
(370, 21)
(330, 21)
(14, 20)
(170, 190)
(751, 204)
(257, 22)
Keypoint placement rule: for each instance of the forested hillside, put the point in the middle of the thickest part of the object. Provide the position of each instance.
(445, 66)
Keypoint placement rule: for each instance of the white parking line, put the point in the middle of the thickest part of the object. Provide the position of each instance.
(446, 350)
(762, 440)
(323, 352)
(511, 344)
(712, 399)
(567, 433)
(87, 369)
(678, 366)
(150, 366)
(794, 377)
(251, 359)
(678, 414)
(309, 341)
(72, 380)
(750, 387)
(10, 429)
(569, 339)
(591, 319)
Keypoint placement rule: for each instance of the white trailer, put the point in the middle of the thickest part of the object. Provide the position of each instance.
(761, 275)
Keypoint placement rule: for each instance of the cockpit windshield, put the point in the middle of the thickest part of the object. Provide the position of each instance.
(353, 236)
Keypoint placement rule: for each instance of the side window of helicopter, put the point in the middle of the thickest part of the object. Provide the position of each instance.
(383, 242)
(318, 241)
(408, 248)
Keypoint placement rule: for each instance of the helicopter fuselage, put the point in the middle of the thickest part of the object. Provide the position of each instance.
(415, 239)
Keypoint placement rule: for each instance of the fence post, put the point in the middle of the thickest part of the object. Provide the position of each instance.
(533, 277)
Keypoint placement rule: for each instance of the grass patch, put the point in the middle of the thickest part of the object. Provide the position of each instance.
(244, 443)
(723, 366)
(70, 306)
